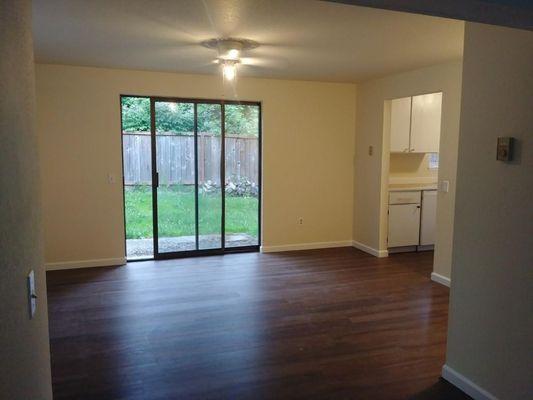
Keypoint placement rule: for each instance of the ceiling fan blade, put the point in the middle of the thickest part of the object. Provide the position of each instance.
(277, 63)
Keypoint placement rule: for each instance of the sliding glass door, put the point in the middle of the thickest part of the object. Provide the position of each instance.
(209, 150)
(203, 165)
(242, 184)
(175, 176)
(137, 177)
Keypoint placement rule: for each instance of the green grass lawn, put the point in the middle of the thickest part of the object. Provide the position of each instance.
(176, 212)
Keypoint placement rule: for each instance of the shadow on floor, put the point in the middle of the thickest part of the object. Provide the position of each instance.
(441, 390)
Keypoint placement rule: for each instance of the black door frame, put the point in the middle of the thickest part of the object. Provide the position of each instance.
(155, 178)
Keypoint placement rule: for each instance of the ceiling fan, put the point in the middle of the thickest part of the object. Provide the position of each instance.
(230, 52)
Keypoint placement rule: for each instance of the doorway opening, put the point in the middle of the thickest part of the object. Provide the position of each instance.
(192, 176)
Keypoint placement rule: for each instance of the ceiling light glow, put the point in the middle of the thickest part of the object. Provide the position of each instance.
(229, 53)
(233, 54)
(229, 70)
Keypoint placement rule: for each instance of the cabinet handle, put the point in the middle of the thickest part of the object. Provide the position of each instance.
(412, 149)
(405, 150)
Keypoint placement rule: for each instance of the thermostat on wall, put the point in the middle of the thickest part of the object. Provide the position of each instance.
(504, 150)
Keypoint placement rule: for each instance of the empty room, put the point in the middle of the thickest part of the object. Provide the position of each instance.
(304, 199)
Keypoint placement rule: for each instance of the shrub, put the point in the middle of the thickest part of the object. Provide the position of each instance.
(235, 186)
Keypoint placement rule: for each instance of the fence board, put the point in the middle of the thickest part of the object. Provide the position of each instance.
(175, 160)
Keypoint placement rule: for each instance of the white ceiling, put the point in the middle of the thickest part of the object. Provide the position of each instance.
(300, 39)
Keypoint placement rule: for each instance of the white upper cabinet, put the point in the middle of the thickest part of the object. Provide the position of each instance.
(415, 124)
(400, 124)
(425, 123)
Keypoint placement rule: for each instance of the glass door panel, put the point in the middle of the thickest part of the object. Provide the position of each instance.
(176, 170)
(137, 172)
(209, 141)
(241, 140)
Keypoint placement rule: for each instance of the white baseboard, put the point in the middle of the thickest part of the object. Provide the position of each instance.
(465, 384)
(440, 279)
(305, 246)
(370, 250)
(102, 262)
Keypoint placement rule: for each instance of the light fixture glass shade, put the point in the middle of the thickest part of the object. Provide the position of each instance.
(229, 53)
(229, 71)
(233, 54)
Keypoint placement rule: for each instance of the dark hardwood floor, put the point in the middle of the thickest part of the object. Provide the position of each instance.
(317, 324)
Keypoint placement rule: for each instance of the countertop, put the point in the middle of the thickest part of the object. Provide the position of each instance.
(398, 187)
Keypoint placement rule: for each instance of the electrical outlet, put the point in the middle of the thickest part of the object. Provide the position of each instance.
(300, 221)
(370, 150)
(32, 297)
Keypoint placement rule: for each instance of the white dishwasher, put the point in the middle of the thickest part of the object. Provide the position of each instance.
(428, 224)
(404, 219)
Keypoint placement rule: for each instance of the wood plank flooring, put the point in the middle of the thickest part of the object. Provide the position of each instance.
(316, 324)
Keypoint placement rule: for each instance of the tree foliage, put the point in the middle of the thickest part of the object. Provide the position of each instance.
(178, 118)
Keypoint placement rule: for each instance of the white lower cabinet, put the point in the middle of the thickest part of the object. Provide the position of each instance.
(412, 218)
(404, 225)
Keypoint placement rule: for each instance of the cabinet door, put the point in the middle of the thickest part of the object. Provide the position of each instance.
(425, 123)
(400, 124)
(404, 225)
(429, 217)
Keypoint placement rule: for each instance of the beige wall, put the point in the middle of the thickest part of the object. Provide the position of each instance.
(491, 305)
(308, 141)
(371, 171)
(411, 167)
(25, 354)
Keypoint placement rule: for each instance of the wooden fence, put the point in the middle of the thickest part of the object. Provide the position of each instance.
(175, 158)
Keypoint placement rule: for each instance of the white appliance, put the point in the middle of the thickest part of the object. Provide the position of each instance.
(428, 222)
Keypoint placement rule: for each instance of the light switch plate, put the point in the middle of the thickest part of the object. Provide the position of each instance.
(504, 149)
(444, 186)
(32, 298)
(111, 179)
